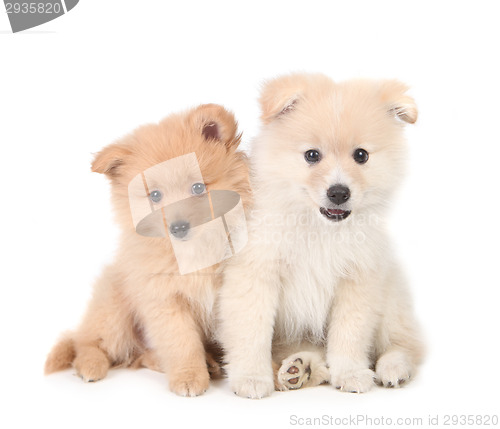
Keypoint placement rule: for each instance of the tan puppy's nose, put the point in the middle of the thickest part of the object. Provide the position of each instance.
(179, 229)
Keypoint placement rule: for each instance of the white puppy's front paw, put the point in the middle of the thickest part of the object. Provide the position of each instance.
(393, 370)
(253, 387)
(359, 380)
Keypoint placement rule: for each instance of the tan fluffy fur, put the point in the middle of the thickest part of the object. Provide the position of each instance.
(140, 314)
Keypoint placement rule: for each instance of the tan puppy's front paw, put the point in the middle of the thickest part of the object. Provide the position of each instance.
(354, 380)
(190, 383)
(253, 387)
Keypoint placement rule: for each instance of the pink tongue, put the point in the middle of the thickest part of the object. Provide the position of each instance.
(336, 211)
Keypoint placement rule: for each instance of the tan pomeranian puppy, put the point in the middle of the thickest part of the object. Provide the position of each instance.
(318, 288)
(153, 305)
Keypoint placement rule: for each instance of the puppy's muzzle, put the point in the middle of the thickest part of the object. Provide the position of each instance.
(337, 194)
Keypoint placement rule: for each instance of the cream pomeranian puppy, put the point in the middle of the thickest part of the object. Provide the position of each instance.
(317, 288)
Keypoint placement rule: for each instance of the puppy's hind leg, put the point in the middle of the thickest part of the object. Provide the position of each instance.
(302, 369)
(214, 356)
(399, 346)
(106, 336)
(91, 363)
(399, 358)
(394, 368)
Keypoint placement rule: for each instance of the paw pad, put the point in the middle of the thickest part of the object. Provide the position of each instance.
(301, 373)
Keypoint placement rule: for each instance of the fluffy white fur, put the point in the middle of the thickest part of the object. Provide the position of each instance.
(330, 293)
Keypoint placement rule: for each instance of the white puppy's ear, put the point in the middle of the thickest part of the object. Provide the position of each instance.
(279, 96)
(217, 124)
(398, 103)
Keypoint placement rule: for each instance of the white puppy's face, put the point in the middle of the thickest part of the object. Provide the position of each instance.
(336, 148)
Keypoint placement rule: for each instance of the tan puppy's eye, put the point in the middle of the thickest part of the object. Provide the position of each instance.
(198, 189)
(155, 196)
(360, 156)
(312, 156)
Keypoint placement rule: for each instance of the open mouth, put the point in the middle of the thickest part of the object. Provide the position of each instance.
(335, 215)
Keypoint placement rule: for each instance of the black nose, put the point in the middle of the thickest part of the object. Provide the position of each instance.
(338, 194)
(179, 229)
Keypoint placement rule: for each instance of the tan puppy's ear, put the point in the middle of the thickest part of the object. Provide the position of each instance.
(110, 160)
(217, 124)
(279, 96)
(399, 104)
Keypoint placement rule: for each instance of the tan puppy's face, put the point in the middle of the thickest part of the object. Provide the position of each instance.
(336, 148)
(163, 172)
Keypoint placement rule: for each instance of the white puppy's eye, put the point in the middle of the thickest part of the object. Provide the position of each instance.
(155, 196)
(198, 188)
(360, 156)
(312, 156)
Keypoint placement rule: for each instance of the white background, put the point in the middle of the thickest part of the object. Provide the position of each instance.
(74, 85)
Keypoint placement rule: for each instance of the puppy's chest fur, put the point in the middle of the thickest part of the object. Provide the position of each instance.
(309, 274)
